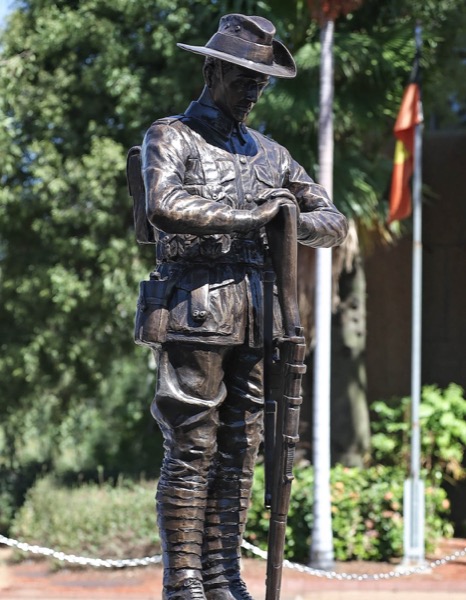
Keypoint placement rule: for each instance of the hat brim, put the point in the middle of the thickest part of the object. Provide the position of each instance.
(276, 69)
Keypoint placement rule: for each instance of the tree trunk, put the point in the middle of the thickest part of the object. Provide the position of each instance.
(350, 440)
(350, 426)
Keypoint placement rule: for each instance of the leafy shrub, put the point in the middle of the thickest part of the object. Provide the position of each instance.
(442, 415)
(14, 483)
(366, 513)
(93, 520)
(108, 521)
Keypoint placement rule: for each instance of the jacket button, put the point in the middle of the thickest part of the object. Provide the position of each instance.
(243, 160)
(248, 198)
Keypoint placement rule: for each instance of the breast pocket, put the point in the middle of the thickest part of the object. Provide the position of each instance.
(266, 176)
(194, 177)
(194, 173)
(220, 184)
(225, 171)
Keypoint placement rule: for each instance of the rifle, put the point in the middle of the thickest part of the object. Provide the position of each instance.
(284, 411)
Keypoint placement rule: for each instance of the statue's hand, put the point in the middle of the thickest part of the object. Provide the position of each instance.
(282, 194)
(263, 213)
(270, 206)
(267, 206)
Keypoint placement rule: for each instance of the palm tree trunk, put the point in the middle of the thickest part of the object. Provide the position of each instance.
(322, 542)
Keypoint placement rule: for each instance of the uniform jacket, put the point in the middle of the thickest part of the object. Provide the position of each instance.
(203, 173)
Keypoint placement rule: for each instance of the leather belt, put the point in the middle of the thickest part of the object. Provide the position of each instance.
(240, 251)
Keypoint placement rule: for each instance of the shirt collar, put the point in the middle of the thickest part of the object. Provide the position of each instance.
(205, 110)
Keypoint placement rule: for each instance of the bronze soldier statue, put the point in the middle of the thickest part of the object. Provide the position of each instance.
(212, 185)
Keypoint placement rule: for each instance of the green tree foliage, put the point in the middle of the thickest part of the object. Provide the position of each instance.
(80, 81)
(374, 50)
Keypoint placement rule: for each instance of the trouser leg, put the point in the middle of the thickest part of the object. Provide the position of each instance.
(189, 391)
(230, 478)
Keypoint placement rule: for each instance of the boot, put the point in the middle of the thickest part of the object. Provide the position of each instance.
(189, 444)
(188, 589)
(224, 525)
(222, 579)
(230, 483)
(180, 517)
(234, 589)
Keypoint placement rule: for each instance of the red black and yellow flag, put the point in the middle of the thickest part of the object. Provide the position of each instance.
(409, 116)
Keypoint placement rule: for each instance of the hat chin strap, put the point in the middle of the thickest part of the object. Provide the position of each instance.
(220, 76)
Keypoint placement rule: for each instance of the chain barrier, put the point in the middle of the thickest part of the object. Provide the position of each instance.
(402, 572)
(143, 562)
(81, 560)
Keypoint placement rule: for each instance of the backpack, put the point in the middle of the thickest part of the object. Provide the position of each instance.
(145, 231)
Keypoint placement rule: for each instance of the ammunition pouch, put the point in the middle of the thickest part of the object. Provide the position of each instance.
(150, 327)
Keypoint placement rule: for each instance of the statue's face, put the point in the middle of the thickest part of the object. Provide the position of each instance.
(235, 90)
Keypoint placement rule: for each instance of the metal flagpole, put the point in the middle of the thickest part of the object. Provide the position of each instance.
(413, 503)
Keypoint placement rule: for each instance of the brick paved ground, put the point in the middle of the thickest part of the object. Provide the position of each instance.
(35, 580)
